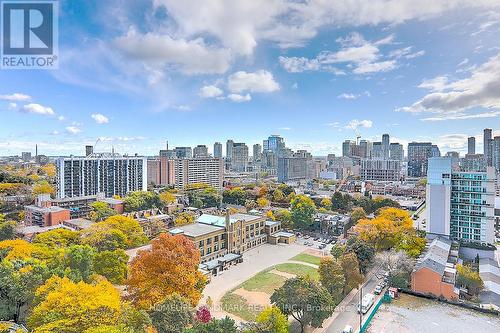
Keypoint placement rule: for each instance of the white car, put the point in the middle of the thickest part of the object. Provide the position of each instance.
(348, 329)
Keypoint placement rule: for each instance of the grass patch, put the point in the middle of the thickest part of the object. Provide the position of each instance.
(264, 282)
(298, 269)
(304, 257)
(238, 306)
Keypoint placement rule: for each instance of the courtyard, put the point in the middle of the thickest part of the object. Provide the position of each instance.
(241, 293)
(409, 314)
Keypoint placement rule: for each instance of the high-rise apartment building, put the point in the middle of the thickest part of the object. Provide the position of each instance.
(257, 152)
(229, 149)
(108, 173)
(418, 154)
(385, 146)
(239, 157)
(218, 150)
(495, 153)
(487, 151)
(89, 150)
(183, 152)
(206, 170)
(26, 156)
(276, 144)
(460, 203)
(161, 171)
(380, 170)
(292, 168)
(200, 151)
(471, 145)
(396, 151)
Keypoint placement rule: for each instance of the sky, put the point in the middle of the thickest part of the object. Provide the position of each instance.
(136, 74)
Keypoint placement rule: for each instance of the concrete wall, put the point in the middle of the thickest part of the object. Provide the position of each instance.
(471, 254)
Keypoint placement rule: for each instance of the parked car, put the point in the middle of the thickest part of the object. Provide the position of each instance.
(348, 329)
(378, 289)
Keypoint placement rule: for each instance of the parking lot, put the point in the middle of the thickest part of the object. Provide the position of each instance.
(410, 314)
(324, 243)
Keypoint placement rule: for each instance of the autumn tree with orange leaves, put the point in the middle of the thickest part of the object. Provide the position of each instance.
(170, 266)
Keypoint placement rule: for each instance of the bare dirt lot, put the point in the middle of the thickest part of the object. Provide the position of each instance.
(410, 314)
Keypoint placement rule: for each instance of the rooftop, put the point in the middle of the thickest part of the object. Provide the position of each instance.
(195, 229)
(436, 256)
(221, 220)
(51, 209)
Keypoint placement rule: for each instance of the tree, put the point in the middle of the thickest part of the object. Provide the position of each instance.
(365, 253)
(225, 325)
(183, 219)
(332, 277)
(57, 238)
(305, 300)
(263, 202)
(302, 209)
(49, 170)
(469, 278)
(352, 275)
(43, 187)
(63, 306)
(172, 315)
(285, 217)
(112, 265)
(79, 260)
(7, 228)
(278, 195)
(203, 314)
(337, 251)
(326, 203)
(340, 201)
(386, 229)
(411, 243)
(141, 200)
(167, 198)
(272, 320)
(170, 266)
(357, 214)
(234, 196)
(18, 282)
(399, 266)
(101, 211)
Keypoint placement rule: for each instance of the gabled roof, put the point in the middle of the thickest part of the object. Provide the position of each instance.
(436, 256)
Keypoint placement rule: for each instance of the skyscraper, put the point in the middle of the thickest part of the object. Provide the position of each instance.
(183, 152)
(217, 150)
(495, 152)
(89, 150)
(460, 203)
(257, 152)
(418, 154)
(487, 146)
(385, 146)
(229, 149)
(239, 157)
(200, 151)
(206, 170)
(471, 145)
(108, 173)
(396, 151)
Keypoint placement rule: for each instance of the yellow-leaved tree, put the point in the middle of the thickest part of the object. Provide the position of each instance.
(62, 306)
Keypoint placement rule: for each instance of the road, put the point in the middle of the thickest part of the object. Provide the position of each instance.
(347, 314)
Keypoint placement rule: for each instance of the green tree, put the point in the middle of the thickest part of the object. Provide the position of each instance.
(332, 277)
(234, 196)
(101, 211)
(141, 200)
(225, 325)
(305, 300)
(183, 219)
(357, 214)
(365, 252)
(352, 275)
(172, 315)
(7, 228)
(272, 320)
(278, 195)
(338, 251)
(104, 239)
(341, 201)
(302, 211)
(112, 265)
(285, 217)
(79, 261)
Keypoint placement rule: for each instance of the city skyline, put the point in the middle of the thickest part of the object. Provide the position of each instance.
(137, 81)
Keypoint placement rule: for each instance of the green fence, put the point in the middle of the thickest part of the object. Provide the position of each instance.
(385, 299)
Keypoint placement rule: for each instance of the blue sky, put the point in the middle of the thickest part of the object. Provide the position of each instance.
(138, 73)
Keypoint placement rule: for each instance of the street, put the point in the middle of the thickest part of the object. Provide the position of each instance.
(347, 314)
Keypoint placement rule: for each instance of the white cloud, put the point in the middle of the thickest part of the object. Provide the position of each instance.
(356, 53)
(260, 81)
(37, 109)
(73, 130)
(347, 96)
(100, 118)
(355, 124)
(285, 128)
(453, 116)
(61, 118)
(435, 84)
(188, 56)
(239, 98)
(16, 97)
(453, 99)
(12, 106)
(210, 91)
